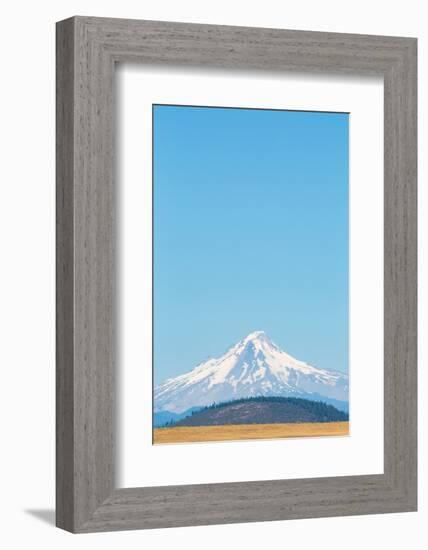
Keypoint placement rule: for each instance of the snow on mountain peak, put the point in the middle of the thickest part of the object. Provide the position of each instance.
(254, 366)
(257, 334)
(258, 339)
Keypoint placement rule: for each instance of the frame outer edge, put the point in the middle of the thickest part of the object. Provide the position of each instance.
(94, 274)
(400, 316)
(65, 107)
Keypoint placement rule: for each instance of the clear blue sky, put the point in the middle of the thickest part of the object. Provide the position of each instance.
(250, 233)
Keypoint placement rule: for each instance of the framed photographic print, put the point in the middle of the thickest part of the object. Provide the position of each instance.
(236, 274)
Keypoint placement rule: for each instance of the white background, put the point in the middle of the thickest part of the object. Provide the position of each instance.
(360, 453)
(27, 273)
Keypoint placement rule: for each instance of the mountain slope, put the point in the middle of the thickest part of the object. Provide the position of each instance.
(253, 367)
(264, 410)
(161, 418)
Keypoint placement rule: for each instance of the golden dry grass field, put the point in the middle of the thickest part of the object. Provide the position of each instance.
(235, 432)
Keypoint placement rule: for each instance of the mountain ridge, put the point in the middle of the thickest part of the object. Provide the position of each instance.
(252, 367)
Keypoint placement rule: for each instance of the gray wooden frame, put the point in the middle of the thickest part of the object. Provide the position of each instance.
(87, 50)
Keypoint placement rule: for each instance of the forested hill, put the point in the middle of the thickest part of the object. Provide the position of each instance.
(263, 410)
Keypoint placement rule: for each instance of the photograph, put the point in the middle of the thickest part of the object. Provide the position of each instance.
(250, 273)
(212, 229)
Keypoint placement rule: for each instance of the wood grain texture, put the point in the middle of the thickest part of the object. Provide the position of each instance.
(87, 49)
(64, 277)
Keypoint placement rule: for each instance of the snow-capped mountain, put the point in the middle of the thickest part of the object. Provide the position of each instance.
(254, 366)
